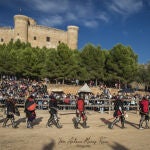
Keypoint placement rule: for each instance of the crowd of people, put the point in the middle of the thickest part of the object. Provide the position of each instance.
(20, 89)
(30, 111)
(33, 93)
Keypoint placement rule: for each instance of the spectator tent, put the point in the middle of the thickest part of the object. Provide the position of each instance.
(85, 89)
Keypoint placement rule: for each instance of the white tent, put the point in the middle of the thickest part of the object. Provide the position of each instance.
(85, 89)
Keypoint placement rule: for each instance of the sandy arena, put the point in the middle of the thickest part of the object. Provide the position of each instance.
(96, 137)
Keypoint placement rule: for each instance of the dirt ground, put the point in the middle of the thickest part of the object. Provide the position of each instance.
(97, 136)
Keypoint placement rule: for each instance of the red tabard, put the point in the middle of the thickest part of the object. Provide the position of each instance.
(80, 105)
(144, 105)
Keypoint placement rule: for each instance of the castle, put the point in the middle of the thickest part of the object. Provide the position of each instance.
(27, 30)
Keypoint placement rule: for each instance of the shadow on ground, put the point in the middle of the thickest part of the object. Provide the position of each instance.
(20, 120)
(49, 146)
(108, 122)
(118, 146)
(132, 124)
(37, 121)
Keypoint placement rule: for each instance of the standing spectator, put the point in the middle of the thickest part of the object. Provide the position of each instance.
(77, 82)
(101, 103)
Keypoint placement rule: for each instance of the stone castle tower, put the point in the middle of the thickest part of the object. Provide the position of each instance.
(27, 30)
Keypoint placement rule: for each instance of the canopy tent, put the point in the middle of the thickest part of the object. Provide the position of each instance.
(85, 89)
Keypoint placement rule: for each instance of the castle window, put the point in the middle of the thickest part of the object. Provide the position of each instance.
(18, 34)
(48, 39)
(59, 42)
(34, 37)
(2, 40)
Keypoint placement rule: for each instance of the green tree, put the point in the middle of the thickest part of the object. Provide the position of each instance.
(93, 60)
(30, 62)
(121, 64)
(66, 62)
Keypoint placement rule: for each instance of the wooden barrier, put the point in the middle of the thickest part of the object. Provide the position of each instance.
(107, 106)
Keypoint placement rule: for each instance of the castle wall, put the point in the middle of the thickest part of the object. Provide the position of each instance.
(21, 28)
(37, 36)
(27, 30)
(6, 34)
(72, 37)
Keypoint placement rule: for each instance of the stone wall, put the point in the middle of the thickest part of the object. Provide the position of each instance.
(6, 34)
(27, 30)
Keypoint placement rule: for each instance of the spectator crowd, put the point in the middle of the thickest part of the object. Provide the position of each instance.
(22, 88)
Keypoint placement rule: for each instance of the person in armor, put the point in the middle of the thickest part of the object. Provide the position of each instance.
(119, 112)
(10, 111)
(30, 107)
(80, 112)
(144, 112)
(53, 110)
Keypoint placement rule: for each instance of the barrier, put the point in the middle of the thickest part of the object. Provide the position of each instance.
(107, 105)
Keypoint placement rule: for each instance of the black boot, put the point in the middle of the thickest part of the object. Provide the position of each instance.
(122, 122)
(140, 125)
(49, 122)
(75, 123)
(5, 122)
(84, 124)
(29, 124)
(146, 126)
(13, 123)
(113, 123)
(58, 124)
(122, 125)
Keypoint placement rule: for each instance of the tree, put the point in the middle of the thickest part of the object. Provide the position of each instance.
(143, 75)
(66, 62)
(93, 58)
(122, 64)
(30, 62)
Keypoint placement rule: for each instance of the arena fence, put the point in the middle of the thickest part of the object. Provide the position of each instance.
(92, 104)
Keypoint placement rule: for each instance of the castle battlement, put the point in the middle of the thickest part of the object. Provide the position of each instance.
(48, 28)
(27, 30)
(6, 28)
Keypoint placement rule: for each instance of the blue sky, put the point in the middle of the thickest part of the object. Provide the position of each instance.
(101, 22)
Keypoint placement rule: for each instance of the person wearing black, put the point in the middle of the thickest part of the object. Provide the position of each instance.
(10, 111)
(119, 111)
(53, 108)
(30, 107)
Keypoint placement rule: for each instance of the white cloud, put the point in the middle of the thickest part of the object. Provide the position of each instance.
(103, 16)
(52, 21)
(78, 12)
(126, 7)
(51, 6)
(71, 16)
(91, 24)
